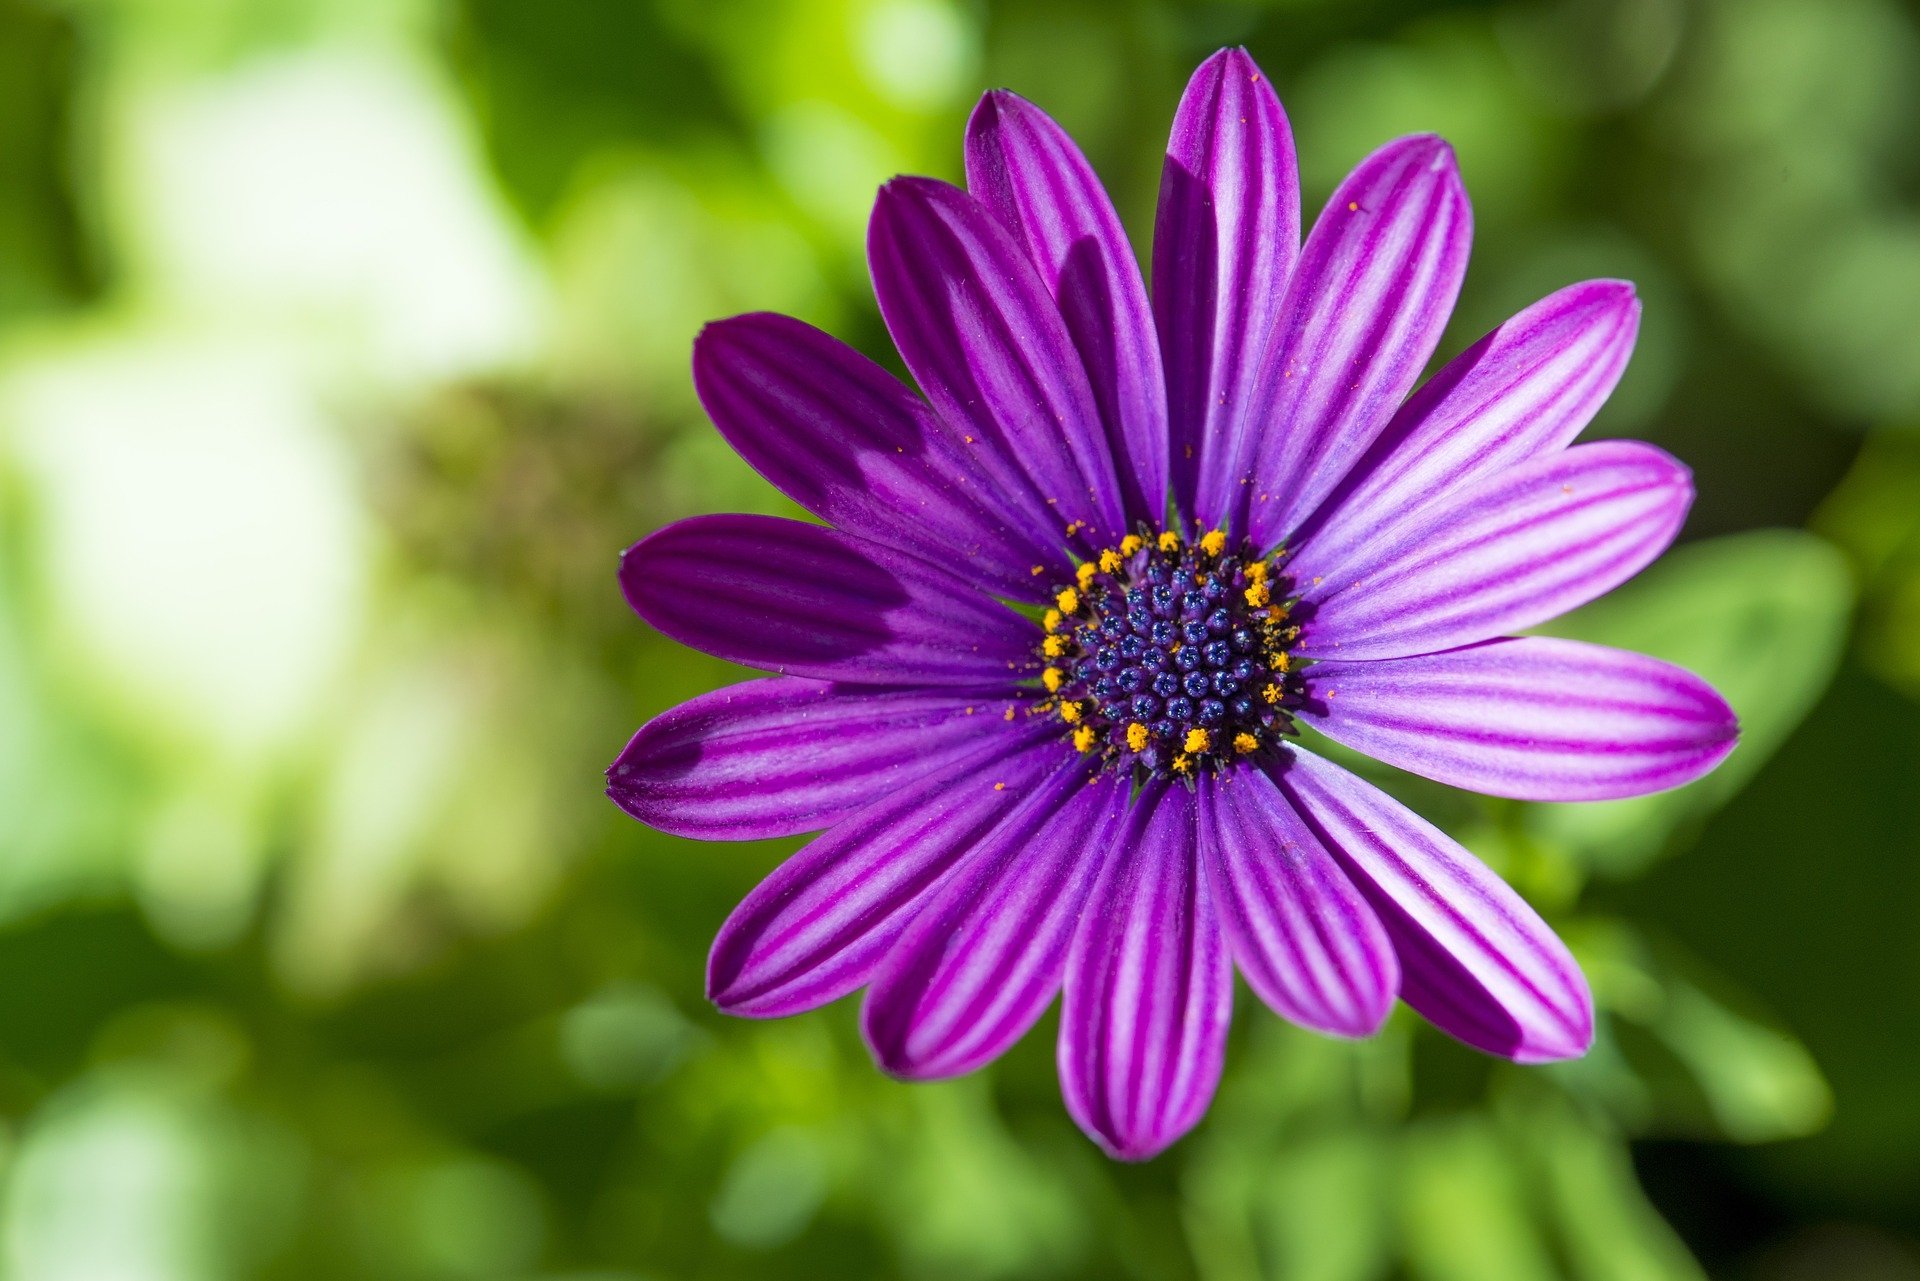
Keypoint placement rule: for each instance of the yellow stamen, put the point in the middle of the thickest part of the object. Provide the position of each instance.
(1052, 619)
(1131, 544)
(1169, 542)
(1136, 736)
(1271, 693)
(1111, 561)
(1181, 764)
(1054, 646)
(1279, 662)
(1197, 740)
(1258, 595)
(1245, 743)
(1257, 572)
(1083, 739)
(1085, 575)
(1068, 600)
(1213, 542)
(1053, 678)
(1070, 713)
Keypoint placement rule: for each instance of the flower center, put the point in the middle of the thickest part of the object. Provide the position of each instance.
(1171, 656)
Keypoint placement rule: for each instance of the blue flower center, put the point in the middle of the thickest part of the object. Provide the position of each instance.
(1170, 656)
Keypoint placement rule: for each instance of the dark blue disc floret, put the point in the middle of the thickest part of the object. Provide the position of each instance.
(1172, 656)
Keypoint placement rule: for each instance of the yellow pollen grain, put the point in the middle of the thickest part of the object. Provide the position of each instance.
(1244, 743)
(999, 787)
(1169, 542)
(1271, 693)
(1085, 575)
(1213, 543)
(1054, 646)
(1068, 600)
(1053, 678)
(1007, 715)
(1131, 544)
(1083, 739)
(1136, 736)
(1197, 740)
(1258, 595)
(1110, 561)
(1070, 713)
(1052, 619)
(1038, 570)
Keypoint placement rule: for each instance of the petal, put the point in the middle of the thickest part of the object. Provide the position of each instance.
(1224, 243)
(1026, 169)
(1526, 389)
(847, 441)
(983, 959)
(783, 755)
(1535, 719)
(1304, 937)
(799, 599)
(1475, 960)
(1515, 550)
(814, 930)
(980, 332)
(1149, 987)
(1364, 312)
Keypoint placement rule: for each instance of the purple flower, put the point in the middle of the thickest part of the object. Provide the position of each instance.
(1046, 727)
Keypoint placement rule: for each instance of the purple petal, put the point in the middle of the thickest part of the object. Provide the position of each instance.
(1304, 937)
(1364, 312)
(844, 439)
(783, 755)
(1149, 986)
(1514, 550)
(1224, 243)
(1536, 719)
(1475, 960)
(798, 599)
(814, 930)
(983, 959)
(1526, 389)
(977, 327)
(1025, 168)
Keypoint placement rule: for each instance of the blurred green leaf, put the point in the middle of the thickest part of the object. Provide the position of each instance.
(1609, 1230)
(1467, 1215)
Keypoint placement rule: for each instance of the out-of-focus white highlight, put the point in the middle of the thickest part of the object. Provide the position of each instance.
(202, 537)
(333, 187)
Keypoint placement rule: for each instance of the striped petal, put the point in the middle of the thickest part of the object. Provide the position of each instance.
(1149, 986)
(1515, 550)
(1526, 389)
(1364, 312)
(984, 958)
(1026, 169)
(779, 756)
(806, 601)
(1224, 244)
(985, 340)
(1475, 960)
(816, 928)
(1303, 936)
(847, 441)
(1536, 719)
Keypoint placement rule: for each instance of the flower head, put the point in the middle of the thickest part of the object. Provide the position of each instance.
(1041, 670)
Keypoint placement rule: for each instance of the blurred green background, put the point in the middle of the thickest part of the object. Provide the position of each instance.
(343, 344)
